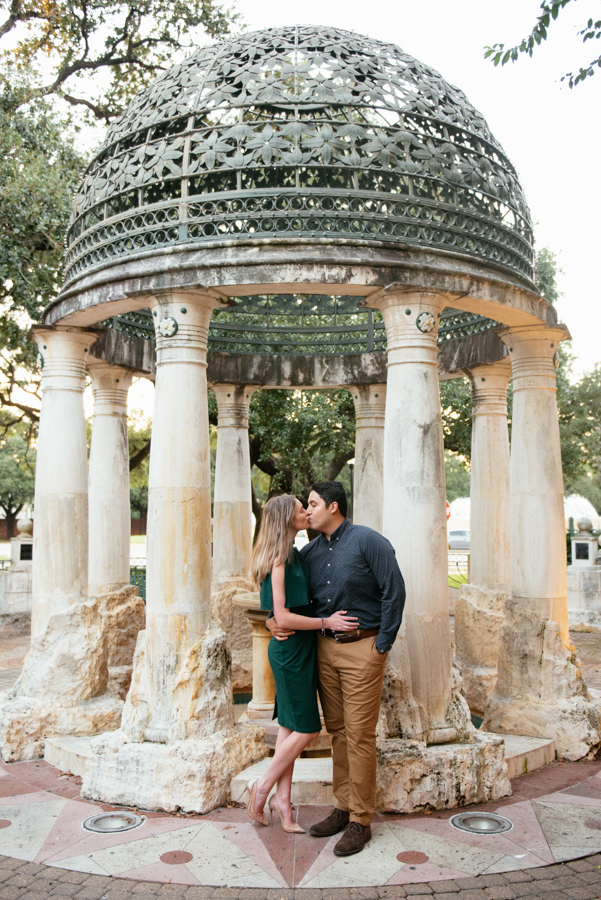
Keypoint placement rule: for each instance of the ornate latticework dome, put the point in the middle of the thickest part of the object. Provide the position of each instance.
(300, 133)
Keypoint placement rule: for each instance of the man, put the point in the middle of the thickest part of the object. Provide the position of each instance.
(351, 568)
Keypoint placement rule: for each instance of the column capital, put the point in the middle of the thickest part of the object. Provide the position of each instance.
(233, 403)
(181, 324)
(489, 388)
(370, 404)
(533, 354)
(411, 316)
(63, 353)
(110, 386)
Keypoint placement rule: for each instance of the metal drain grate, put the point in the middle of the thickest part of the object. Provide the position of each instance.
(481, 823)
(113, 822)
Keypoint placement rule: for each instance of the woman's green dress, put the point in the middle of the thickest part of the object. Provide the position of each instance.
(293, 661)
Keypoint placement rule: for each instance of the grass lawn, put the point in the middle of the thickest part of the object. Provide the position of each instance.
(456, 580)
(138, 539)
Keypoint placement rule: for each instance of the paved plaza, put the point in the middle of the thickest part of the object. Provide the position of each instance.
(45, 852)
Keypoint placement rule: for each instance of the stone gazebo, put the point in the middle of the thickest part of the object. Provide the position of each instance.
(315, 209)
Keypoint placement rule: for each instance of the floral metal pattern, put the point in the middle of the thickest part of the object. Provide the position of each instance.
(300, 132)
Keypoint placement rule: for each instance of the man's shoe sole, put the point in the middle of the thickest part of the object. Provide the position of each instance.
(326, 833)
(350, 852)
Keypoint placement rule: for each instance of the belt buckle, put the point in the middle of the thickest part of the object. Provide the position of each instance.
(337, 636)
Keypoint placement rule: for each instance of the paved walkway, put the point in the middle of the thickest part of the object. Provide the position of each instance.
(556, 813)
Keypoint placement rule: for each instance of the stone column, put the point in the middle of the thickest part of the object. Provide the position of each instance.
(178, 746)
(370, 408)
(415, 514)
(489, 489)
(539, 690)
(60, 554)
(110, 515)
(232, 505)
(479, 609)
(178, 569)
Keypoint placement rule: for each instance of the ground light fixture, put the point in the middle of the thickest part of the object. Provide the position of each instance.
(481, 823)
(113, 822)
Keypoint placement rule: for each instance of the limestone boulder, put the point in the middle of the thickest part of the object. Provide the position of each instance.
(124, 615)
(411, 776)
(232, 620)
(191, 775)
(26, 723)
(67, 663)
(203, 702)
(479, 617)
(540, 691)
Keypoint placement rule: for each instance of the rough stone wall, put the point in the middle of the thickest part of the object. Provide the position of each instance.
(479, 617)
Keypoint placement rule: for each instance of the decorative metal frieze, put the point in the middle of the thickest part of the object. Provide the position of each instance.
(300, 132)
(293, 324)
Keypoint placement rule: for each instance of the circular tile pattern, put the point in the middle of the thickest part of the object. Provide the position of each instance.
(176, 857)
(5, 823)
(412, 857)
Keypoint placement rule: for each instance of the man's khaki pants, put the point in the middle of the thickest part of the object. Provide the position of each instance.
(350, 687)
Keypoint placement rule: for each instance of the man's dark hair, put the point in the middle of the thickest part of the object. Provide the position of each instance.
(331, 492)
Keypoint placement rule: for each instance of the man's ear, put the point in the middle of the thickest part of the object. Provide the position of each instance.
(333, 508)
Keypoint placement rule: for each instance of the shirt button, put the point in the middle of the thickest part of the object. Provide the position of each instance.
(328, 601)
(328, 582)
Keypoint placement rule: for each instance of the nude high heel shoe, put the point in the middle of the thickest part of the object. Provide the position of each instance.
(290, 829)
(251, 789)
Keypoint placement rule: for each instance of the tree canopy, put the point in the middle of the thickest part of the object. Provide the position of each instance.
(125, 44)
(17, 467)
(39, 170)
(550, 10)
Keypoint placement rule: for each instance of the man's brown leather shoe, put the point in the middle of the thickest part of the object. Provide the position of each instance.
(336, 821)
(353, 840)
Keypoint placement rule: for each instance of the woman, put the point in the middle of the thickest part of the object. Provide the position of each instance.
(283, 576)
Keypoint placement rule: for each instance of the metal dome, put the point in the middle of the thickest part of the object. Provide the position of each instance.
(294, 134)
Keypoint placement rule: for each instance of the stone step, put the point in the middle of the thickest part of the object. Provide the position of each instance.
(312, 784)
(312, 777)
(525, 754)
(69, 754)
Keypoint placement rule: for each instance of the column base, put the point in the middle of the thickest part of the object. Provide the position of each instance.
(66, 687)
(229, 616)
(412, 776)
(191, 775)
(574, 723)
(401, 716)
(26, 723)
(479, 617)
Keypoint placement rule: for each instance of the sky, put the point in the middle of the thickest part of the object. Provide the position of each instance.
(552, 134)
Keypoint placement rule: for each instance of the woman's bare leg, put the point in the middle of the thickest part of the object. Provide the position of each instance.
(287, 749)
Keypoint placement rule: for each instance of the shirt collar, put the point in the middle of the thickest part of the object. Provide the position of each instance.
(338, 533)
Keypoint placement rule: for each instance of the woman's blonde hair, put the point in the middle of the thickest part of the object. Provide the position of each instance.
(274, 544)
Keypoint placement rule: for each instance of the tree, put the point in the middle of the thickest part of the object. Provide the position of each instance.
(39, 170)
(127, 43)
(139, 449)
(17, 466)
(550, 10)
(297, 438)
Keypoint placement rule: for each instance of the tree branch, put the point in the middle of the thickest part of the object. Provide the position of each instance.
(140, 456)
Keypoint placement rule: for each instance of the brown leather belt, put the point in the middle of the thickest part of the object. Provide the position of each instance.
(349, 637)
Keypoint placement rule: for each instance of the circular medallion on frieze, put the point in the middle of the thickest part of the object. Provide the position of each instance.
(425, 321)
(167, 326)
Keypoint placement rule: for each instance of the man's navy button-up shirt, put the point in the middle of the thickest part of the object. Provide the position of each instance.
(357, 570)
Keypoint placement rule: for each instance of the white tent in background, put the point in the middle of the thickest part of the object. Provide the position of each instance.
(575, 507)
